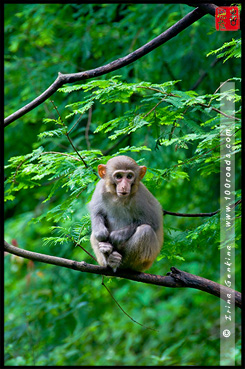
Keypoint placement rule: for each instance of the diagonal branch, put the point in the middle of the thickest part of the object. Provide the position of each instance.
(176, 278)
(174, 30)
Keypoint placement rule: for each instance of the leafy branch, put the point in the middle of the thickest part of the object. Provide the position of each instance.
(62, 79)
(229, 50)
(67, 135)
(172, 124)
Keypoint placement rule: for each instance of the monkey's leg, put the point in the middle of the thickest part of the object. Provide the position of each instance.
(114, 260)
(122, 235)
(102, 250)
(141, 249)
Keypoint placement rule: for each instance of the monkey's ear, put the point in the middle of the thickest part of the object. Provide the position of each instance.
(142, 171)
(102, 170)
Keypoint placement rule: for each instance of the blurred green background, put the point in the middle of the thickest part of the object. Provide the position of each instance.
(59, 317)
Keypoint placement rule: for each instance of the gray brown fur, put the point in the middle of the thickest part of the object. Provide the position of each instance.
(127, 232)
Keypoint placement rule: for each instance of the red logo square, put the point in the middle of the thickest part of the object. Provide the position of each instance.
(227, 18)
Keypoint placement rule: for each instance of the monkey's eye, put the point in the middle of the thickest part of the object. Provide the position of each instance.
(118, 176)
(130, 176)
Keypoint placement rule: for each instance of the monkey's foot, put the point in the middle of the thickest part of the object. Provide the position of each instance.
(114, 260)
(105, 247)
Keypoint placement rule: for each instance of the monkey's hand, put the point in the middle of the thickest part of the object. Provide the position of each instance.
(122, 235)
(106, 248)
(114, 260)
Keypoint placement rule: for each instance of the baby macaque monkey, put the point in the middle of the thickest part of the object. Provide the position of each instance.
(127, 220)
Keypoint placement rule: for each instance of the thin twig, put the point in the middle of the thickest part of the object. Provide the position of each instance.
(118, 142)
(59, 153)
(85, 164)
(218, 111)
(198, 214)
(74, 125)
(88, 127)
(124, 312)
(67, 134)
(57, 111)
(153, 89)
(77, 244)
(222, 84)
(197, 83)
(154, 107)
(175, 125)
(17, 169)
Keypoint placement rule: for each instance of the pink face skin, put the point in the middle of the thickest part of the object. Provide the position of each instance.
(123, 180)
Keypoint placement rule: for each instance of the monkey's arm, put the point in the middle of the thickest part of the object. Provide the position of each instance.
(101, 244)
(98, 216)
(99, 228)
(121, 235)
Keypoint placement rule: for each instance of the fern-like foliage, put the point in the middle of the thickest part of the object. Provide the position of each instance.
(232, 49)
(181, 119)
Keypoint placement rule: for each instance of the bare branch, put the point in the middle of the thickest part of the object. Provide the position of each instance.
(197, 214)
(206, 7)
(176, 278)
(174, 30)
(205, 74)
(203, 284)
(218, 111)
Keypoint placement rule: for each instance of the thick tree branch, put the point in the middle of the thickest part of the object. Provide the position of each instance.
(206, 7)
(182, 24)
(176, 278)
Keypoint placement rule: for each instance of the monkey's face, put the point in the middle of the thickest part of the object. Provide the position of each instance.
(122, 176)
(123, 180)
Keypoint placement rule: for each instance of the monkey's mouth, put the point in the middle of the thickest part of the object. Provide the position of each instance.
(123, 194)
